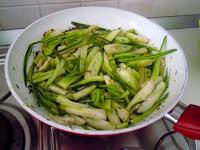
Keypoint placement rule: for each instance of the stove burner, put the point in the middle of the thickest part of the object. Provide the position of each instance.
(12, 134)
(17, 129)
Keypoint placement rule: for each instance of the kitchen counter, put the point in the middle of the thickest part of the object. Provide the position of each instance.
(189, 39)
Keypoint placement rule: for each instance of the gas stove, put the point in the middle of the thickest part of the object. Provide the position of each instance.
(18, 130)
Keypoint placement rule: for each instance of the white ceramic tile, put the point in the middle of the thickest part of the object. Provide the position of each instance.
(0, 25)
(165, 8)
(56, 1)
(101, 3)
(189, 7)
(19, 16)
(50, 8)
(142, 7)
(17, 2)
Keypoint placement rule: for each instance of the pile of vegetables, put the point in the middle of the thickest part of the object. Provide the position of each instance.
(97, 78)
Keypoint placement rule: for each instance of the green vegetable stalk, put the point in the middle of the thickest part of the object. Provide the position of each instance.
(94, 66)
(83, 54)
(122, 112)
(142, 94)
(91, 55)
(66, 81)
(113, 117)
(117, 48)
(152, 98)
(100, 124)
(68, 119)
(84, 92)
(111, 36)
(56, 73)
(86, 112)
(95, 78)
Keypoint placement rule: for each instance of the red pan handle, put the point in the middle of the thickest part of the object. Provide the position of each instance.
(188, 123)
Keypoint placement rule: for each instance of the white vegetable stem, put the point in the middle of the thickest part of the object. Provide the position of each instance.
(65, 101)
(122, 112)
(113, 117)
(87, 112)
(68, 119)
(112, 34)
(142, 94)
(152, 98)
(99, 124)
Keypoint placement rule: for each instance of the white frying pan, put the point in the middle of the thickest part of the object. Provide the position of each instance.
(105, 17)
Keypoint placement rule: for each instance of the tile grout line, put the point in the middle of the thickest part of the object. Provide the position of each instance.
(82, 2)
(39, 8)
(38, 4)
(150, 9)
(1, 26)
(117, 3)
(179, 7)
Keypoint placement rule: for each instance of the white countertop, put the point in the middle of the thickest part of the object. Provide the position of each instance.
(189, 40)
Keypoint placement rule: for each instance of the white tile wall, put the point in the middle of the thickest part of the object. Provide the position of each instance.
(19, 16)
(56, 1)
(165, 8)
(20, 13)
(142, 7)
(101, 3)
(50, 8)
(188, 7)
(17, 2)
(0, 26)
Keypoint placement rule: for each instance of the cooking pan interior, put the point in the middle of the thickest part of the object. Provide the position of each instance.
(105, 17)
